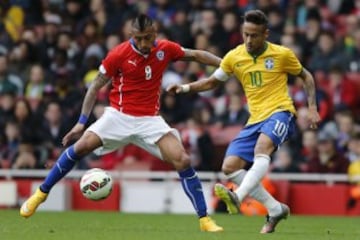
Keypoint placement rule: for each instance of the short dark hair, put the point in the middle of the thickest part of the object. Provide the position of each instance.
(142, 21)
(257, 17)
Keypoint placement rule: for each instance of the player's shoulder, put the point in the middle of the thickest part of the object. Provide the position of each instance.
(276, 48)
(165, 43)
(239, 50)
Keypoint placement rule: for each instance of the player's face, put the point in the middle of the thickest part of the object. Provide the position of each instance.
(254, 37)
(144, 40)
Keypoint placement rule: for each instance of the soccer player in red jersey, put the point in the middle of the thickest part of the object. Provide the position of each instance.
(135, 69)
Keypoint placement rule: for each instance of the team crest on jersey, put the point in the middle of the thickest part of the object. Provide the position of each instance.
(160, 55)
(269, 63)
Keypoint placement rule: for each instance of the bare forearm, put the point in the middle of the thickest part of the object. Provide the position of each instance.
(204, 84)
(203, 57)
(90, 96)
(309, 87)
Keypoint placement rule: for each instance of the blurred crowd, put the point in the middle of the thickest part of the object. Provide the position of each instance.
(50, 51)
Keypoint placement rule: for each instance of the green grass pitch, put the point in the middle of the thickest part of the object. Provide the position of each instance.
(78, 225)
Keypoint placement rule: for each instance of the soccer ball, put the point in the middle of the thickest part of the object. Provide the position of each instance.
(96, 184)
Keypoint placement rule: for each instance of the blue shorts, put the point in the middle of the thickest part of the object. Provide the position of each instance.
(279, 127)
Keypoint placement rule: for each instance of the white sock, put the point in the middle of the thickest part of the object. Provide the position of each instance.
(272, 205)
(254, 176)
(259, 193)
(237, 177)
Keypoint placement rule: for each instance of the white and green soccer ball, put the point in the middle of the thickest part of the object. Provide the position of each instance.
(96, 184)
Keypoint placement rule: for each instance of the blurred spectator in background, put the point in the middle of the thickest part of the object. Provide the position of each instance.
(54, 127)
(231, 25)
(7, 105)
(163, 11)
(198, 144)
(47, 43)
(235, 113)
(302, 125)
(67, 94)
(172, 108)
(353, 147)
(354, 169)
(11, 21)
(9, 148)
(328, 160)
(346, 128)
(276, 24)
(354, 54)
(351, 25)
(341, 90)
(308, 150)
(209, 25)
(325, 54)
(73, 14)
(180, 30)
(342, 127)
(21, 57)
(35, 85)
(31, 137)
(282, 161)
(9, 82)
(230, 87)
(308, 39)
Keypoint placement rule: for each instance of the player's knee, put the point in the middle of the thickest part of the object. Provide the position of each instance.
(232, 164)
(182, 162)
(228, 168)
(83, 147)
(263, 149)
(264, 145)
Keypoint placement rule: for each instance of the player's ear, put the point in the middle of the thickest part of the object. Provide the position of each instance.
(266, 33)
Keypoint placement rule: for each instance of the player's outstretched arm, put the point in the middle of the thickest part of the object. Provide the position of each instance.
(198, 86)
(309, 86)
(201, 57)
(87, 106)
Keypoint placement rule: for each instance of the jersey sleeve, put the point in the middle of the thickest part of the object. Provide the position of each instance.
(175, 50)
(109, 65)
(291, 63)
(226, 64)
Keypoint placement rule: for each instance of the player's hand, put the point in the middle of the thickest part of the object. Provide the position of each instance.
(74, 133)
(313, 117)
(174, 88)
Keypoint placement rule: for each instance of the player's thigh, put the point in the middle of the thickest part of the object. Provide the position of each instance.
(264, 145)
(114, 130)
(158, 138)
(274, 131)
(233, 163)
(87, 143)
(243, 145)
(172, 149)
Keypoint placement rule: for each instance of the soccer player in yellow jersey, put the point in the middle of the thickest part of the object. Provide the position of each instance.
(262, 69)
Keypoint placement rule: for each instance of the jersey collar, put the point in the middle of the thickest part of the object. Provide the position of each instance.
(255, 56)
(133, 46)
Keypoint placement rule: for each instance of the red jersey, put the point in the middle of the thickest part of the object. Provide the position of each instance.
(136, 78)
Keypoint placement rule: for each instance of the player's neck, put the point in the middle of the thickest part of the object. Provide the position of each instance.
(260, 51)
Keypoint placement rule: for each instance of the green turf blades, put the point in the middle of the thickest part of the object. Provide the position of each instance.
(78, 225)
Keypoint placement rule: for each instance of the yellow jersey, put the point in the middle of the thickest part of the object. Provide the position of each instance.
(264, 78)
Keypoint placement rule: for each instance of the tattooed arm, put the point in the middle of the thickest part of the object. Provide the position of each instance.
(87, 106)
(90, 97)
(309, 87)
(201, 57)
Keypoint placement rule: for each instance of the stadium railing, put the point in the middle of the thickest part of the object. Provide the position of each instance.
(171, 175)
